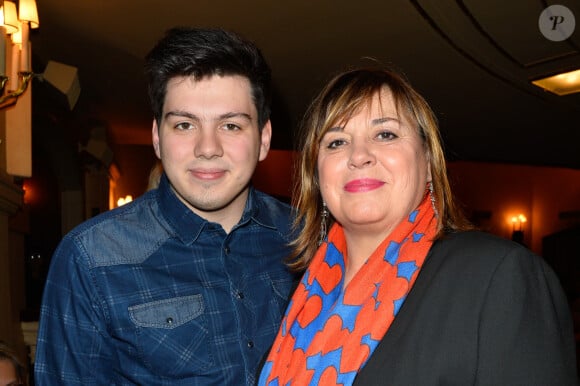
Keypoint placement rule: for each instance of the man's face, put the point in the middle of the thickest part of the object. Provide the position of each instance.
(209, 143)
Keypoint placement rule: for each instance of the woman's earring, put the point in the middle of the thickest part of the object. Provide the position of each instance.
(432, 196)
(323, 223)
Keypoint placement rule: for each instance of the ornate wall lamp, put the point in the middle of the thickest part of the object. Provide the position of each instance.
(16, 20)
(518, 228)
(15, 25)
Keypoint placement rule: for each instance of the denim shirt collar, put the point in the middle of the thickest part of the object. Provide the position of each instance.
(188, 226)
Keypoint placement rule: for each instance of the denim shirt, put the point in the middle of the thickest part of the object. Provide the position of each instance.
(152, 294)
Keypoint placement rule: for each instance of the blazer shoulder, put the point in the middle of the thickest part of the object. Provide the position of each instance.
(482, 251)
(477, 243)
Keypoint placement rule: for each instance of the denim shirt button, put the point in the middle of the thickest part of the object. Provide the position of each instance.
(169, 320)
(250, 344)
(240, 295)
(227, 250)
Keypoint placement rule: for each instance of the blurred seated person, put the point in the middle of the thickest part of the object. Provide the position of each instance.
(402, 290)
(155, 176)
(12, 372)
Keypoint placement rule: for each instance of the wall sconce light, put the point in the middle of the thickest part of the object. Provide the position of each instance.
(124, 200)
(64, 78)
(518, 222)
(518, 228)
(15, 23)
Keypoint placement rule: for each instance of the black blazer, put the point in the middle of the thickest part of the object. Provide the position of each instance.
(483, 311)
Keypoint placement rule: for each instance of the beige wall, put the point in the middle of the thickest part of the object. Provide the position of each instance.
(541, 193)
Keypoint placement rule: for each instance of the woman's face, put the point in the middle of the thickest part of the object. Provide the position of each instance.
(373, 170)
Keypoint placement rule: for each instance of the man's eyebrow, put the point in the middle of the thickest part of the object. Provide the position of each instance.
(180, 113)
(186, 114)
(235, 114)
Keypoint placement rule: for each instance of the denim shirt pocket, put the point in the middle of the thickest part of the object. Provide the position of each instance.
(167, 313)
(180, 324)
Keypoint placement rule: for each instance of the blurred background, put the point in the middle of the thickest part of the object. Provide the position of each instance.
(75, 125)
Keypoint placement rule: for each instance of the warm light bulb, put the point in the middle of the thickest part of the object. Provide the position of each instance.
(124, 200)
(17, 37)
(522, 218)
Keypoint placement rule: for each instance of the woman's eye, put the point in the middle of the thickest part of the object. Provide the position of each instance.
(386, 135)
(335, 143)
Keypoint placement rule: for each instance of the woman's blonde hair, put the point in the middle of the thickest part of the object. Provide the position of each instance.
(339, 100)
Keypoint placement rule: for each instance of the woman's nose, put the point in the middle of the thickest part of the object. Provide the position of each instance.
(361, 155)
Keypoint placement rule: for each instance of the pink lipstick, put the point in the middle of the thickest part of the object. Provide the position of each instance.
(363, 185)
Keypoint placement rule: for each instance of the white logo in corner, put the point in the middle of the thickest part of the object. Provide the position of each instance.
(557, 23)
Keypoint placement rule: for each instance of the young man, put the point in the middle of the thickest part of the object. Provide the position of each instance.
(187, 284)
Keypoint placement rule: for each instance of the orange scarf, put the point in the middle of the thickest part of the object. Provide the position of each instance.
(327, 333)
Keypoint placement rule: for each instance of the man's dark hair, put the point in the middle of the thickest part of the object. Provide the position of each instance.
(202, 53)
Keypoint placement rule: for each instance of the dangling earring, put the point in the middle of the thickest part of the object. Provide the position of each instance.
(323, 223)
(432, 196)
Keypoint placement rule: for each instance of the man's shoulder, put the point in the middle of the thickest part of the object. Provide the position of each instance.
(278, 204)
(274, 212)
(135, 211)
(128, 233)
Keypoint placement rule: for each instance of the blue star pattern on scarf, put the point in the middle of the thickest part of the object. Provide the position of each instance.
(397, 305)
(393, 250)
(346, 312)
(376, 294)
(406, 269)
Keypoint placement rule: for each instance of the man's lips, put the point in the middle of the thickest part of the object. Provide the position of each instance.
(208, 174)
(363, 185)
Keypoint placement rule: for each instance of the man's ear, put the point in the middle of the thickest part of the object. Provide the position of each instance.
(155, 138)
(266, 137)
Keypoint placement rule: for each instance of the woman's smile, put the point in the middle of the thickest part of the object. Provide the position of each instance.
(363, 185)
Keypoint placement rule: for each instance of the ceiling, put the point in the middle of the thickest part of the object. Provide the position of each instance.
(471, 59)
